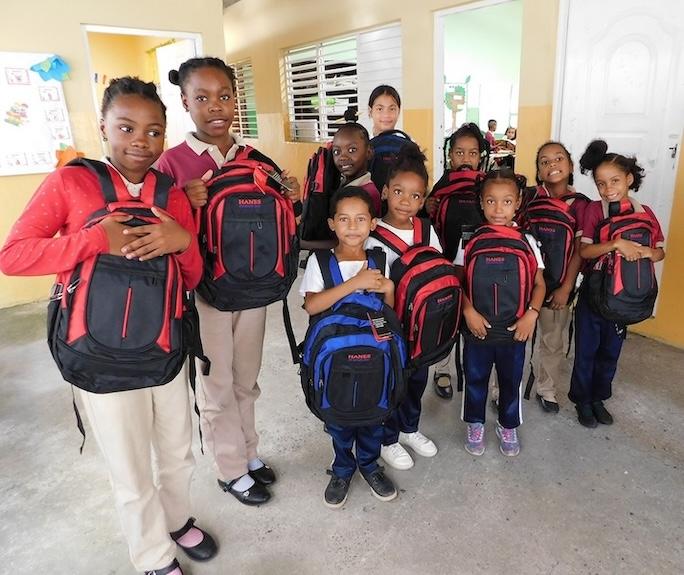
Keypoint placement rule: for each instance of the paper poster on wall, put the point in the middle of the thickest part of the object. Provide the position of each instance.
(34, 121)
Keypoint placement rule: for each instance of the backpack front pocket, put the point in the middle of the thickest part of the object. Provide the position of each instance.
(356, 379)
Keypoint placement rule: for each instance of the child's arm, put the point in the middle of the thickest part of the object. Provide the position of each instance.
(654, 254)
(626, 248)
(476, 322)
(524, 327)
(372, 280)
(558, 298)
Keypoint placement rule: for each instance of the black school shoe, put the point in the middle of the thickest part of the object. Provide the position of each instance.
(204, 550)
(548, 406)
(336, 491)
(601, 413)
(443, 391)
(165, 570)
(257, 494)
(381, 485)
(585, 415)
(264, 475)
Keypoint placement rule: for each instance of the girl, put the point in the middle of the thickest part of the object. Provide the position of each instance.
(233, 340)
(351, 153)
(598, 341)
(128, 425)
(405, 196)
(487, 344)
(352, 219)
(384, 106)
(554, 176)
(466, 147)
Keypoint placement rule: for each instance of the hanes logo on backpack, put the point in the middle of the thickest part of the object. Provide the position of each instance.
(495, 259)
(249, 202)
(358, 356)
(547, 229)
(445, 298)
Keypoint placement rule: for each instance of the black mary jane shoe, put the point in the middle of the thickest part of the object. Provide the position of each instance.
(204, 550)
(601, 413)
(548, 406)
(443, 391)
(257, 494)
(264, 475)
(165, 570)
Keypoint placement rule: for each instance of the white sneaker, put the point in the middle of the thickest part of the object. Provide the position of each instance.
(396, 456)
(419, 443)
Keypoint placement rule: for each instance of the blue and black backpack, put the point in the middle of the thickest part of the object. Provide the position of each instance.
(350, 376)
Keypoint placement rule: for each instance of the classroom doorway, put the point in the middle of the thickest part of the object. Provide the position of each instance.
(477, 70)
(148, 54)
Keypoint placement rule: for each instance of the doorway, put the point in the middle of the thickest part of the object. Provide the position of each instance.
(477, 69)
(147, 54)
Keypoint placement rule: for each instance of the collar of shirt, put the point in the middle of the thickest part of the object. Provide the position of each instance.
(133, 189)
(571, 190)
(360, 181)
(199, 147)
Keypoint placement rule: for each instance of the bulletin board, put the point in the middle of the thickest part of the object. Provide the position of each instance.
(34, 121)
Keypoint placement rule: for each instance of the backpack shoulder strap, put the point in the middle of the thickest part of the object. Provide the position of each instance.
(330, 268)
(162, 186)
(104, 177)
(390, 239)
(421, 231)
(377, 259)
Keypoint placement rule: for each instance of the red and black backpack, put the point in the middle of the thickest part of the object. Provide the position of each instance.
(116, 324)
(322, 179)
(247, 236)
(427, 296)
(459, 208)
(551, 221)
(500, 266)
(619, 290)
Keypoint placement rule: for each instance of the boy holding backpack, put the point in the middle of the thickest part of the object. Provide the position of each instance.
(355, 276)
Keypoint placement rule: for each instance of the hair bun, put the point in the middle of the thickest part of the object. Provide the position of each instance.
(351, 114)
(174, 77)
(593, 156)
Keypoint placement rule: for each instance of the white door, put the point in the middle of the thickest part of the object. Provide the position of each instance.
(623, 81)
(169, 57)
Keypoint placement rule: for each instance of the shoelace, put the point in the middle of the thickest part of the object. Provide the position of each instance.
(395, 449)
(475, 433)
(509, 435)
(418, 437)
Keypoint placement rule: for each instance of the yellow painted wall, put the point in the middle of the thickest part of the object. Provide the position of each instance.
(55, 27)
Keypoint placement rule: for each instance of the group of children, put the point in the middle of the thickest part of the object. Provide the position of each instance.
(129, 425)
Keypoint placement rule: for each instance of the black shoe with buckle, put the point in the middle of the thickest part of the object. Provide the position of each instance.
(336, 491)
(264, 475)
(165, 570)
(443, 391)
(381, 485)
(601, 413)
(547, 405)
(204, 550)
(257, 494)
(585, 415)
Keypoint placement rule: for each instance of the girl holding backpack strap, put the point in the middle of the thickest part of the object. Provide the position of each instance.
(130, 421)
(617, 234)
(233, 340)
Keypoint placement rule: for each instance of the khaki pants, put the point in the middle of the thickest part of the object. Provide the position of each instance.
(233, 341)
(552, 326)
(130, 427)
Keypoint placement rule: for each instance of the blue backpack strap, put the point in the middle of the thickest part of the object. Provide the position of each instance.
(104, 177)
(162, 187)
(330, 268)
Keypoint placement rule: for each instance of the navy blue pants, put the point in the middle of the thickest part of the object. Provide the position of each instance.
(368, 440)
(407, 416)
(598, 343)
(478, 360)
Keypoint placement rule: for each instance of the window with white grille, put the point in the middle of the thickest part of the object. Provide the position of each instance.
(245, 121)
(323, 80)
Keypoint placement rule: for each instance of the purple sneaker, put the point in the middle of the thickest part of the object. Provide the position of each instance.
(474, 443)
(508, 441)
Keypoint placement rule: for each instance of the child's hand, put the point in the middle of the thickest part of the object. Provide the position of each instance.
(431, 205)
(646, 252)
(477, 324)
(196, 190)
(294, 193)
(166, 237)
(386, 287)
(524, 327)
(558, 298)
(370, 280)
(628, 249)
(114, 228)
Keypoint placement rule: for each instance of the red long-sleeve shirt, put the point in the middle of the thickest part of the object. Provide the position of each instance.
(63, 203)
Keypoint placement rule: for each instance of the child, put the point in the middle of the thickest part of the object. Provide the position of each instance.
(492, 304)
(465, 149)
(351, 153)
(384, 106)
(233, 340)
(489, 135)
(128, 425)
(598, 341)
(405, 196)
(352, 219)
(554, 176)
